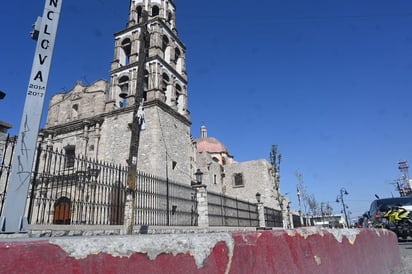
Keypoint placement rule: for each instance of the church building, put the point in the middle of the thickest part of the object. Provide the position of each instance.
(149, 70)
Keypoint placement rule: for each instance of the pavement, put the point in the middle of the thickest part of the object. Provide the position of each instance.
(405, 248)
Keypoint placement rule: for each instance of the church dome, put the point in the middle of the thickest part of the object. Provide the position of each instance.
(210, 145)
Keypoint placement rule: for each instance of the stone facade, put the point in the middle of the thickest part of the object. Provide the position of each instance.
(95, 120)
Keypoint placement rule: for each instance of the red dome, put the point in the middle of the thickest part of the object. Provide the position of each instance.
(210, 145)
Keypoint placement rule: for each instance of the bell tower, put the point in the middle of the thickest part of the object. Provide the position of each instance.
(156, 74)
(165, 78)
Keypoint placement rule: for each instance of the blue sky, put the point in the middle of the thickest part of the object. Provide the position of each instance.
(329, 82)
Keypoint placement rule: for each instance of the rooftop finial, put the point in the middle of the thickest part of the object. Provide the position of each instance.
(203, 132)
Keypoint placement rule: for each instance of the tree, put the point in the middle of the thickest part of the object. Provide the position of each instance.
(301, 192)
(313, 205)
(275, 159)
(328, 209)
(309, 202)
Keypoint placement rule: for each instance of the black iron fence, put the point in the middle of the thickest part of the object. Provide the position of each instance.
(66, 189)
(7, 147)
(228, 211)
(163, 202)
(273, 217)
(296, 221)
(75, 190)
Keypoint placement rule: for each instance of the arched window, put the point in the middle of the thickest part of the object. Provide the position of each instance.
(139, 11)
(178, 96)
(178, 60)
(155, 11)
(145, 84)
(126, 51)
(166, 48)
(69, 156)
(75, 111)
(165, 81)
(166, 88)
(124, 91)
(169, 17)
(177, 54)
(124, 88)
(165, 42)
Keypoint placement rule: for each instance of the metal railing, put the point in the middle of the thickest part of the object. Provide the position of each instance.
(296, 221)
(228, 211)
(164, 203)
(66, 189)
(7, 148)
(83, 192)
(273, 217)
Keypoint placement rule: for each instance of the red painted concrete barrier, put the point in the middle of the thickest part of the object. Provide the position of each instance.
(277, 251)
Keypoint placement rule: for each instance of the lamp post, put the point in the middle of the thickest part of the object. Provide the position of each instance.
(201, 204)
(343, 191)
(258, 197)
(195, 197)
(260, 212)
(2, 95)
(199, 176)
(300, 207)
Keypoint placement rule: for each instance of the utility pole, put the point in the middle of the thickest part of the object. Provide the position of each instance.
(136, 124)
(45, 29)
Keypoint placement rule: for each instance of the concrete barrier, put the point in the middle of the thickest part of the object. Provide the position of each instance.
(307, 250)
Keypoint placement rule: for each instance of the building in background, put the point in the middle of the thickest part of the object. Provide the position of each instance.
(4, 127)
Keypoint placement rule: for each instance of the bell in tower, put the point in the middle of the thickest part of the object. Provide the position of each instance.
(124, 87)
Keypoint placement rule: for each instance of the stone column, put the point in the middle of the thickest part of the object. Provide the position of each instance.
(301, 219)
(291, 225)
(261, 214)
(202, 209)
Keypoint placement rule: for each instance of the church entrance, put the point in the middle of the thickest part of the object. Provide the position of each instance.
(62, 211)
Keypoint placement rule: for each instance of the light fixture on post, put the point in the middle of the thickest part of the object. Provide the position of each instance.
(199, 175)
(2, 94)
(258, 197)
(343, 191)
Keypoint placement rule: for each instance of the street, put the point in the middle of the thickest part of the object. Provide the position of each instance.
(406, 255)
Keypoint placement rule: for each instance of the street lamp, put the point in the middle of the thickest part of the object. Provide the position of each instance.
(199, 176)
(2, 95)
(258, 196)
(343, 191)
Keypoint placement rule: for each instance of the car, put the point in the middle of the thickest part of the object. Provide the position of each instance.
(380, 206)
(363, 220)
